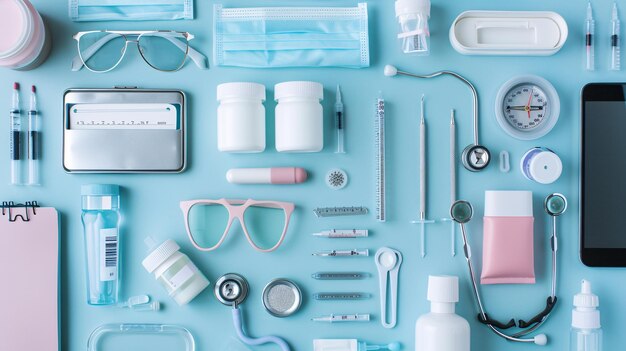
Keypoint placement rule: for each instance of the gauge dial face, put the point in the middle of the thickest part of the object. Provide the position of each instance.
(525, 107)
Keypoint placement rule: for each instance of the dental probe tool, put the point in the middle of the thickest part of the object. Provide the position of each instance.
(422, 221)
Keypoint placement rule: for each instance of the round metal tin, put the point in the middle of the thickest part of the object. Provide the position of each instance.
(282, 297)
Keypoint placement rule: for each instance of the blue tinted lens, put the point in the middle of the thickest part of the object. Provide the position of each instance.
(165, 51)
(101, 51)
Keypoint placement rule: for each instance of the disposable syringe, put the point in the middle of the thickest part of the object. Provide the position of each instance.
(332, 318)
(15, 140)
(34, 139)
(343, 233)
(590, 26)
(340, 123)
(615, 40)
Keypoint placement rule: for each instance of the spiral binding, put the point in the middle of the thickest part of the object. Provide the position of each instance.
(8, 208)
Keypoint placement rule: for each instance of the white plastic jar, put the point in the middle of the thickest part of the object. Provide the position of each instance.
(241, 117)
(299, 117)
(175, 271)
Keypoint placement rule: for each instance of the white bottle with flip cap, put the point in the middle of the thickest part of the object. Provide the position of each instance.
(442, 329)
(586, 334)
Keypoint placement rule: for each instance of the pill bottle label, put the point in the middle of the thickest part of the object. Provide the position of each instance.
(181, 277)
(108, 254)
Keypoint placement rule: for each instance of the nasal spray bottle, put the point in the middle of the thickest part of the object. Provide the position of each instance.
(442, 329)
(586, 334)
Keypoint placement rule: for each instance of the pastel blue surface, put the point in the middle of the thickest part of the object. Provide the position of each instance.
(150, 202)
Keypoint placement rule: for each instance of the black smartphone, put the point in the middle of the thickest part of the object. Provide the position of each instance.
(603, 175)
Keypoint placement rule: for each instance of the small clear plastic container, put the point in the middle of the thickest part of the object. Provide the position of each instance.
(141, 337)
(101, 224)
(413, 18)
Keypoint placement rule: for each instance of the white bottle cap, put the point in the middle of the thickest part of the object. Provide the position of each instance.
(311, 90)
(585, 314)
(443, 288)
(160, 255)
(405, 7)
(241, 90)
(508, 203)
(544, 167)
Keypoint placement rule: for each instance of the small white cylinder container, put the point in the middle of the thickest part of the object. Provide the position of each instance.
(175, 272)
(241, 117)
(299, 117)
(541, 165)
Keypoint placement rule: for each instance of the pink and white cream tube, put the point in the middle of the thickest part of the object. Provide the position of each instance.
(508, 253)
(24, 40)
(281, 175)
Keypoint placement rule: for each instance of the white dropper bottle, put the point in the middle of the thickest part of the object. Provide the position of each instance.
(586, 334)
(442, 329)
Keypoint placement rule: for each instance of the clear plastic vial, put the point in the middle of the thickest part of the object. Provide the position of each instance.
(414, 33)
(586, 333)
(101, 223)
(241, 117)
(299, 117)
(174, 271)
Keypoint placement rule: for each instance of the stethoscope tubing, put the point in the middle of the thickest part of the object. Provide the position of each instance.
(238, 323)
(464, 80)
(515, 337)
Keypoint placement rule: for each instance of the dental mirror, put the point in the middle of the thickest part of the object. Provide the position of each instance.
(461, 211)
(555, 204)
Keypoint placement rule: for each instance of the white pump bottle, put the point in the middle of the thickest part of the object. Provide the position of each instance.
(442, 329)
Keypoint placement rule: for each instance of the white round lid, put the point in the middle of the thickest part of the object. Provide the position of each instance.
(244, 90)
(443, 288)
(160, 255)
(312, 90)
(545, 167)
(404, 7)
(16, 25)
(515, 203)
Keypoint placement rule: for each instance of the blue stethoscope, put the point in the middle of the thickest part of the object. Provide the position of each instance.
(555, 205)
(231, 290)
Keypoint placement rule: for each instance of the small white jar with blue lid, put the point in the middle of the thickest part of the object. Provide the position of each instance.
(299, 117)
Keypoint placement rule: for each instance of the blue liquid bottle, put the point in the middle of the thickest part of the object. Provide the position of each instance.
(101, 222)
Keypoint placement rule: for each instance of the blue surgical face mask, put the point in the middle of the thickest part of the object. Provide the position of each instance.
(291, 36)
(130, 10)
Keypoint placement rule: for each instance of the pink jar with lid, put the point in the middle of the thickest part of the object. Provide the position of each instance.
(24, 41)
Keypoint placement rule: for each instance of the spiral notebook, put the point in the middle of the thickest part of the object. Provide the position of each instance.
(29, 308)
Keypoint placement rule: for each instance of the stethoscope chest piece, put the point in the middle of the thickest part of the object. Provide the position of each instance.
(231, 289)
(475, 157)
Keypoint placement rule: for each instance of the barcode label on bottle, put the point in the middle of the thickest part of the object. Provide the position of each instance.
(109, 254)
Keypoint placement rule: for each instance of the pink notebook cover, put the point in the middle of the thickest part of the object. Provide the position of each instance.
(29, 315)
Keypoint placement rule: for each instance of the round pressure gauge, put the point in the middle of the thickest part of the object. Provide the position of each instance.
(527, 107)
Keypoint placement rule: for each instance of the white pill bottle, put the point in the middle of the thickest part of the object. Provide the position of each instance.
(241, 117)
(299, 117)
